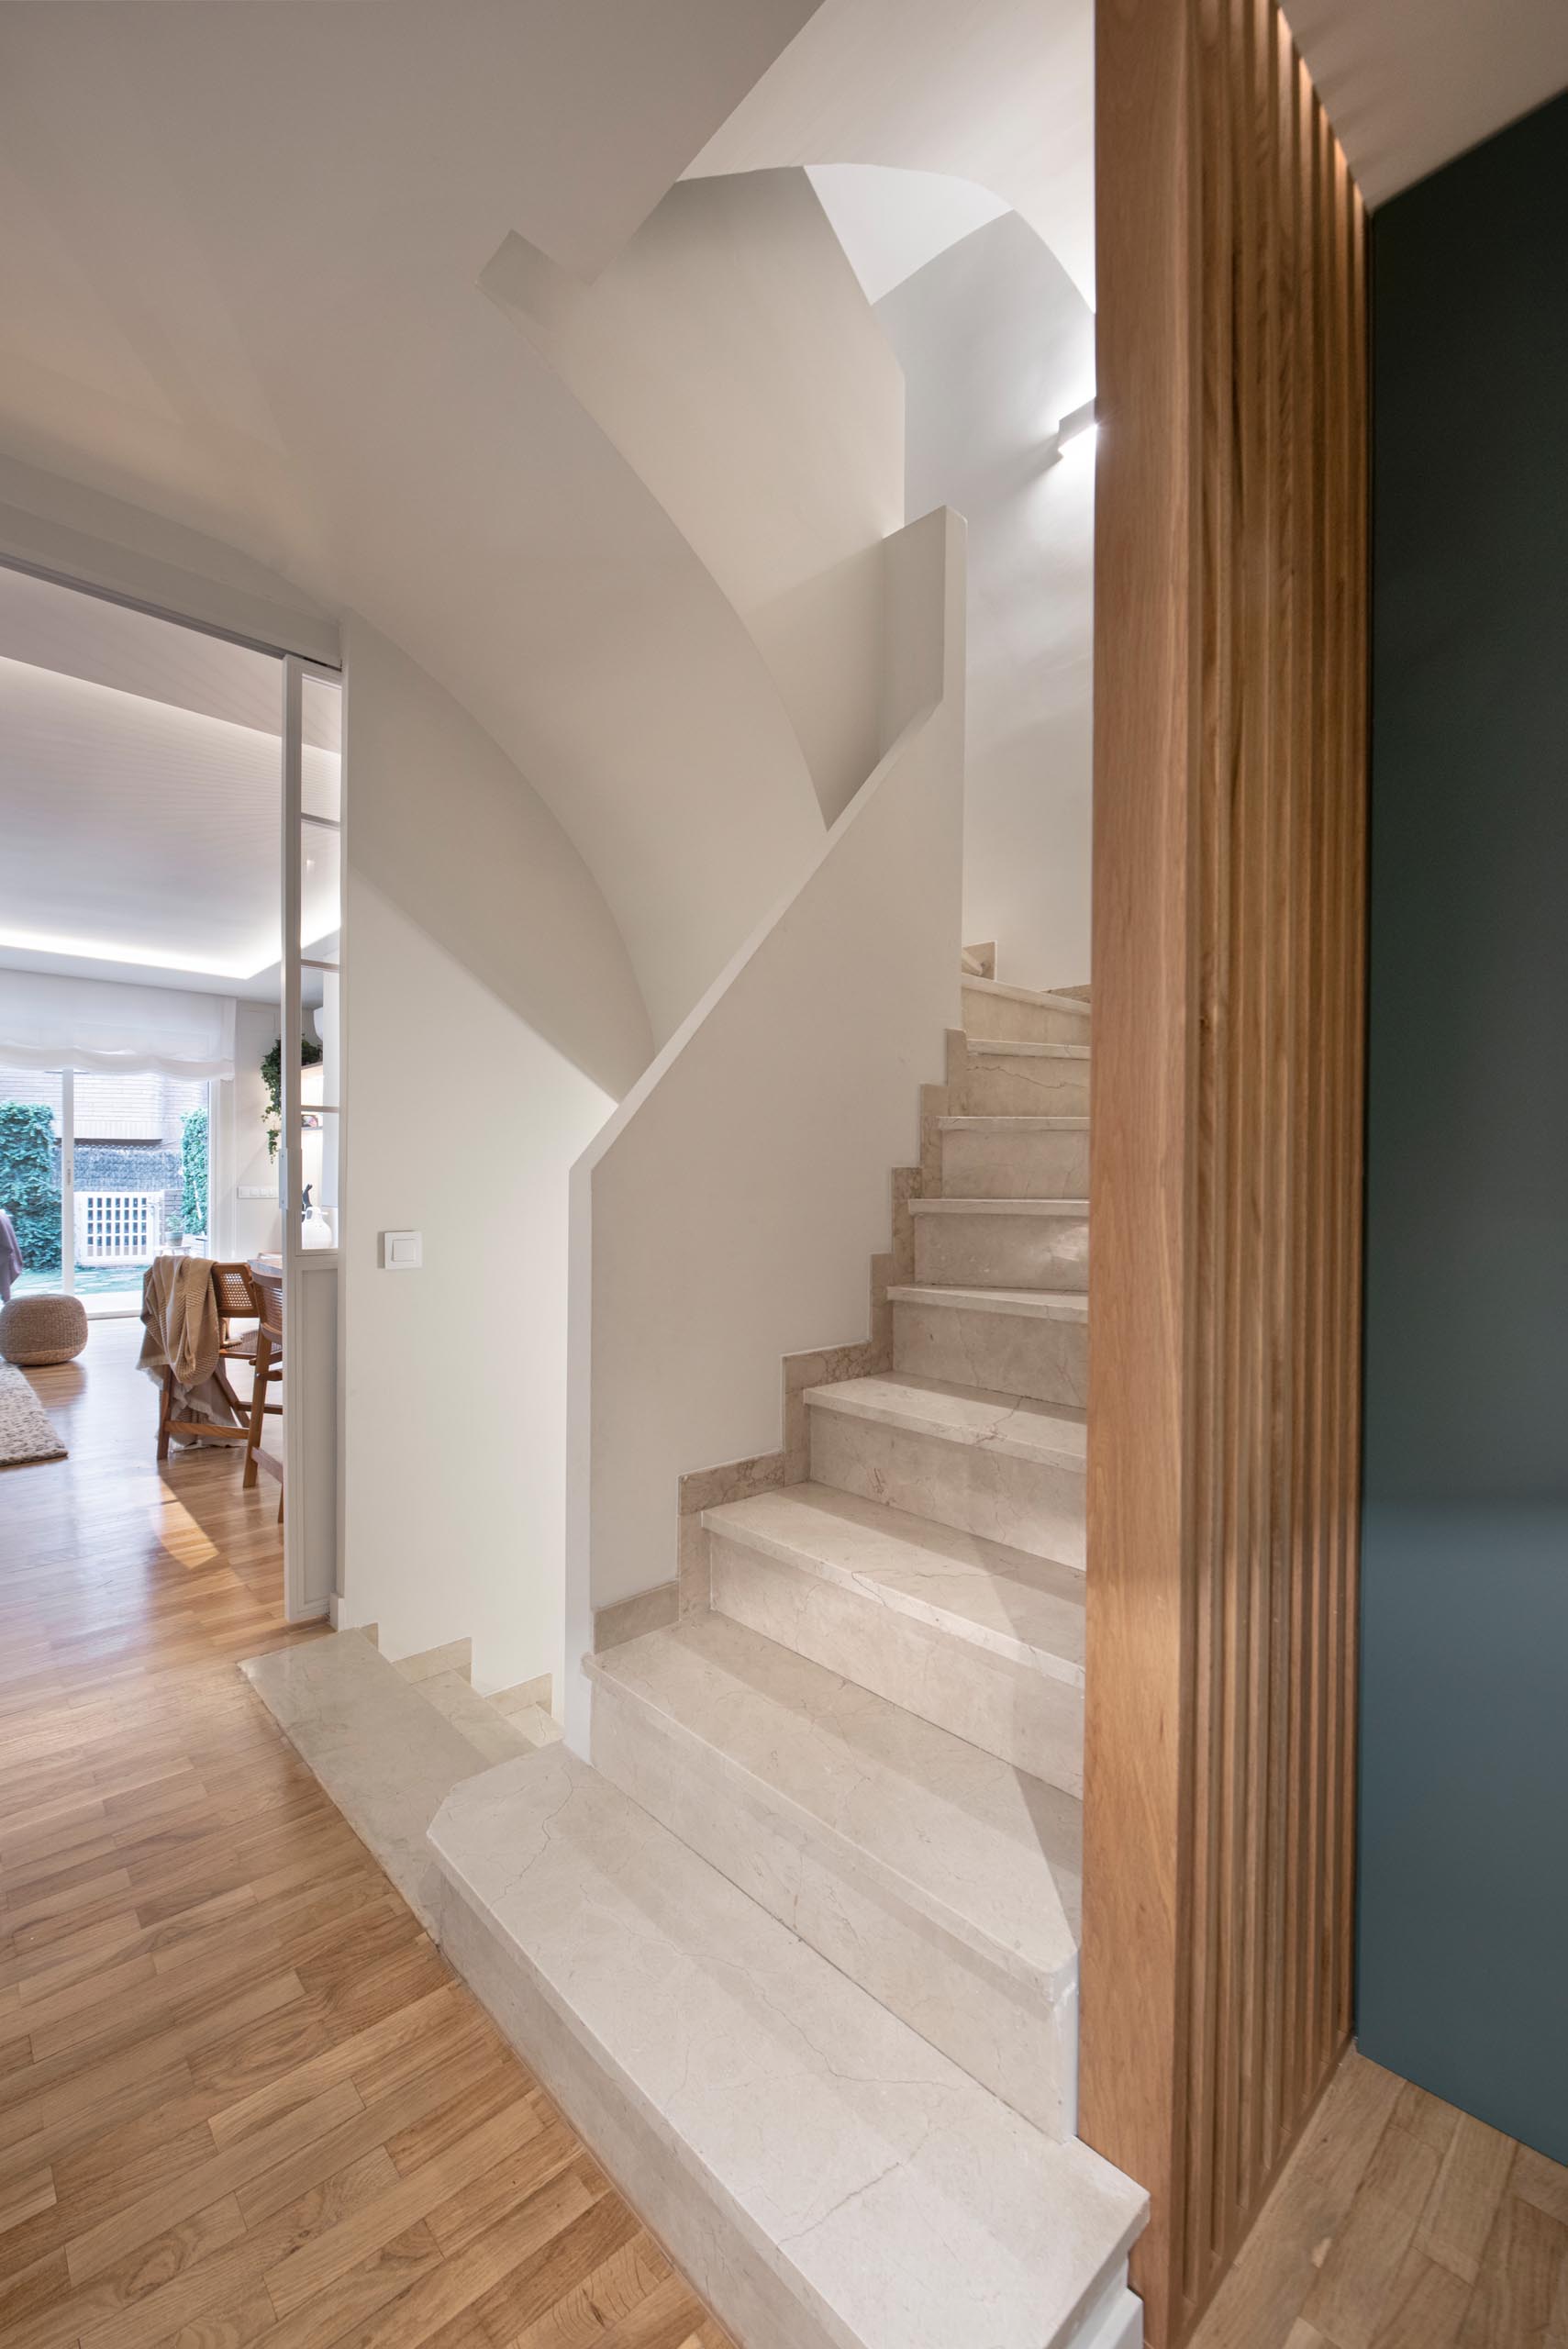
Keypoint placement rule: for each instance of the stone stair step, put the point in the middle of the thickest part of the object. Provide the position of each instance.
(1001, 1244)
(826, 2177)
(1013, 1341)
(980, 1593)
(935, 1877)
(1010, 1078)
(1013, 1158)
(993, 1008)
(984, 1640)
(1006, 1466)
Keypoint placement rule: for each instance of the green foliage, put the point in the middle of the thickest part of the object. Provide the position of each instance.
(193, 1172)
(272, 1077)
(28, 1188)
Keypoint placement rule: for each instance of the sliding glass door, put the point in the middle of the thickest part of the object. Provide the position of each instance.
(136, 1181)
(310, 1149)
(99, 1174)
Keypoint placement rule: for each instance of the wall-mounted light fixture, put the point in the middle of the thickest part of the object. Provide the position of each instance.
(1082, 419)
(1077, 424)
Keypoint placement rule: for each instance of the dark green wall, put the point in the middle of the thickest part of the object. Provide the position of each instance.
(1463, 1919)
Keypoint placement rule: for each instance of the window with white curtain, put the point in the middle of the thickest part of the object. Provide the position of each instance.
(99, 1024)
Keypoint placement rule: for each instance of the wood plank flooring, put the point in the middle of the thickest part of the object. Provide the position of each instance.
(243, 2099)
(1401, 2223)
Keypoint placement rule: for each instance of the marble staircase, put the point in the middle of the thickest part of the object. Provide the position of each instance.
(822, 1870)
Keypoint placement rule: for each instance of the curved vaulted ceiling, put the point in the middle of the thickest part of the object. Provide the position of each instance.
(731, 356)
(239, 287)
(1000, 95)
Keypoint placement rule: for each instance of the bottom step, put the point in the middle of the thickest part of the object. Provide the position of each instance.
(826, 2179)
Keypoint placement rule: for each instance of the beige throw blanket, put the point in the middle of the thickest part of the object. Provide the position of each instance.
(184, 1332)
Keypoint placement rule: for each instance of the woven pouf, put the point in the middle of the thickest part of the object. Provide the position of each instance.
(37, 1330)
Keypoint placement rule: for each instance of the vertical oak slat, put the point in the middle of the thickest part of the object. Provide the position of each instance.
(1226, 1161)
(1148, 716)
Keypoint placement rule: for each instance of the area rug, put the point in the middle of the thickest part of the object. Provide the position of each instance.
(26, 1431)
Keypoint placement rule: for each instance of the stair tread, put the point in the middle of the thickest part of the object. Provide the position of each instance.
(1012, 1603)
(970, 1842)
(1051, 1434)
(1028, 1610)
(989, 1853)
(1045, 996)
(1034, 1304)
(984, 1206)
(880, 2181)
(1024, 1047)
(1014, 1125)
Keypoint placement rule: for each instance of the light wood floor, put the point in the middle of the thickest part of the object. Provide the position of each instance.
(243, 2099)
(1400, 2223)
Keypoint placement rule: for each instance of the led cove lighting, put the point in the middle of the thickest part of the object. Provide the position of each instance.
(155, 958)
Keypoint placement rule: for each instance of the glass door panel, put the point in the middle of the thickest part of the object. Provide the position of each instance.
(310, 1150)
(319, 930)
(138, 1181)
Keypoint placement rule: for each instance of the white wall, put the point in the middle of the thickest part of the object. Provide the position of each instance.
(730, 355)
(729, 1212)
(996, 345)
(489, 1016)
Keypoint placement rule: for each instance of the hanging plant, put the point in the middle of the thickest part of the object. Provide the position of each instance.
(273, 1078)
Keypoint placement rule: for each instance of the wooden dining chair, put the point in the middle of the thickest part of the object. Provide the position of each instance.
(268, 1372)
(237, 1295)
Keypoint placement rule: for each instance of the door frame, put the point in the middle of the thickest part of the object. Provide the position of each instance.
(301, 1469)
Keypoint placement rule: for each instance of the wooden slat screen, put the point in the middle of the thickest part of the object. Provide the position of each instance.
(1226, 1130)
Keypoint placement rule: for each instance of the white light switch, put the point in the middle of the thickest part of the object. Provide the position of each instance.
(402, 1251)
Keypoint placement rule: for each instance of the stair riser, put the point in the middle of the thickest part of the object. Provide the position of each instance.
(981, 1162)
(1034, 1506)
(997, 1085)
(1021, 1714)
(1048, 1252)
(1014, 2036)
(688, 2209)
(1048, 1361)
(994, 1016)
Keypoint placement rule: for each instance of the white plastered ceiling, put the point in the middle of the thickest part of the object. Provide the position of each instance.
(1410, 83)
(239, 288)
(139, 774)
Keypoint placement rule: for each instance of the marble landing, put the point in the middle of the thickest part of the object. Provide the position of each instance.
(827, 2179)
(388, 1758)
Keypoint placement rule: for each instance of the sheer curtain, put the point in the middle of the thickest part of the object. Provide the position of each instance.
(100, 1025)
